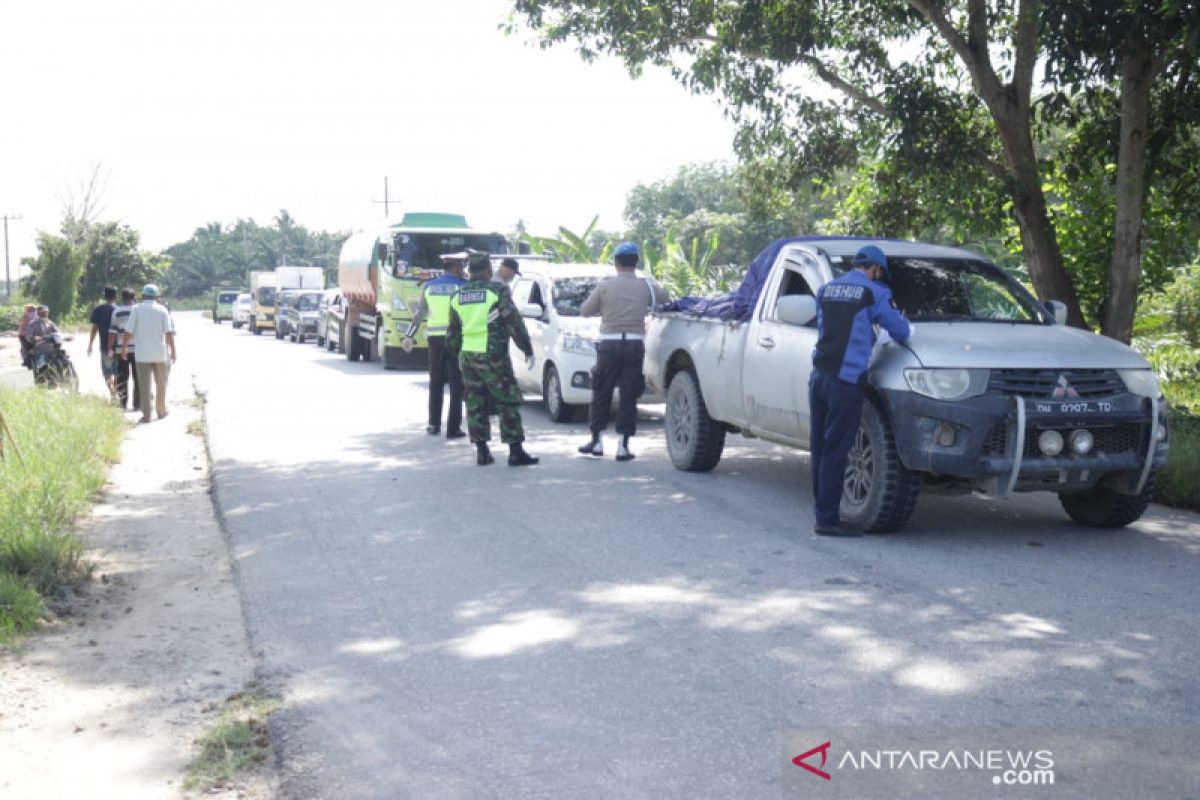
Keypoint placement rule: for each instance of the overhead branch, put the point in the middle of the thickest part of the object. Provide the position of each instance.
(855, 93)
(978, 64)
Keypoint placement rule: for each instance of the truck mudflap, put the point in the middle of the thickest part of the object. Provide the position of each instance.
(996, 441)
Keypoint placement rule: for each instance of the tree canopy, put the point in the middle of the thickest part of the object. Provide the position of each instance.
(943, 101)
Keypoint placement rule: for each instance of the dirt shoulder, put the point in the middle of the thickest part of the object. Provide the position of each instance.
(108, 699)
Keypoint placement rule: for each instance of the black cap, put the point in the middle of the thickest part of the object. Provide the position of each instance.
(512, 264)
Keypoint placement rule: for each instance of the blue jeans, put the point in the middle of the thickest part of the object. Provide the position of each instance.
(836, 409)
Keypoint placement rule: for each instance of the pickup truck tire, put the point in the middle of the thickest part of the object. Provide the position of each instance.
(1101, 507)
(879, 494)
(556, 408)
(694, 439)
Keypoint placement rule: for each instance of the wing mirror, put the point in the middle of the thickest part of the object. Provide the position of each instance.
(797, 309)
(532, 310)
(1058, 310)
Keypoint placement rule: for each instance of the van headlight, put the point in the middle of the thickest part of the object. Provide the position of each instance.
(947, 384)
(398, 304)
(570, 343)
(1141, 382)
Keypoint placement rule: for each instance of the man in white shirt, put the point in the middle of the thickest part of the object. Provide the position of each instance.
(152, 334)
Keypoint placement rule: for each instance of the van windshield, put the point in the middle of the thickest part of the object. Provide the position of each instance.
(569, 294)
(266, 295)
(307, 302)
(226, 297)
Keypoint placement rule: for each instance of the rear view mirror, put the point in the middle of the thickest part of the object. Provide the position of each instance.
(797, 309)
(1058, 310)
(532, 310)
(381, 251)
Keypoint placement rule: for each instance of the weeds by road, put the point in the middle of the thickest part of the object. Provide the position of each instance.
(67, 443)
(235, 744)
(1179, 484)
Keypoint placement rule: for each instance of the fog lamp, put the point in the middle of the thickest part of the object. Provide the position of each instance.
(1160, 435)
(1050, 443)
(1082, 442)
(944, 435)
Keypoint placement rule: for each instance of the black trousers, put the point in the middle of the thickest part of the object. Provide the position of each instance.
(618, 365)
(443, 369)
(126, 367)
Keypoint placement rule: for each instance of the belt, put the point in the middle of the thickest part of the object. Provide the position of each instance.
(610, 337)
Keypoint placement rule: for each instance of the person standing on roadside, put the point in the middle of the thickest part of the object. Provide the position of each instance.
(622, 303)
(482, 320)
(125, 365)
(510, 268)
(848, 308)
(150, 330)
(434, 310)
(101, 321)
(27, 316)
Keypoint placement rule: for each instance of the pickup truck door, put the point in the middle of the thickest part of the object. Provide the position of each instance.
(778, 356)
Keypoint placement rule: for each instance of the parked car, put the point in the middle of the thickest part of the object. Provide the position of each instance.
(993, 393)
(283, 301)
(332, 300)
(564, 343)
(302, 315)
(241, 310)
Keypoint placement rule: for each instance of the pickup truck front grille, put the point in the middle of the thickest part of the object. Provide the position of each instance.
(1060, 384)
(1112, 440)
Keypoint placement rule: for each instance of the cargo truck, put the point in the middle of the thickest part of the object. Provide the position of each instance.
(381, 273)
(262, 299)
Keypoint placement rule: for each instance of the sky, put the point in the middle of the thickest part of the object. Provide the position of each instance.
(201, 112)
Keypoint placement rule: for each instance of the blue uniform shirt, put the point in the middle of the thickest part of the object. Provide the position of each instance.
(847, 308)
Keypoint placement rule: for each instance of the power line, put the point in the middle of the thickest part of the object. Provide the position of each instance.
(7, 278)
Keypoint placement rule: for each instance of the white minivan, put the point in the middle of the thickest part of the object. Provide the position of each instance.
(564, 343)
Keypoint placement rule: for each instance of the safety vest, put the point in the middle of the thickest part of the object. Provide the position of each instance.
(474, 307)
(437, 300)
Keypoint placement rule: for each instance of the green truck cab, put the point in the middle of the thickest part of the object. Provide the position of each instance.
(223, 302)
(382, 273)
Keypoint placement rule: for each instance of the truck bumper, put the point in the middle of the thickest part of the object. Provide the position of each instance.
(976, 440)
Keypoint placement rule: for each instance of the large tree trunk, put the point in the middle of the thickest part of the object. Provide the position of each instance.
(1137, 76)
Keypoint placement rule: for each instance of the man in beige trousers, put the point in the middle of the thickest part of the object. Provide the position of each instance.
(152, 333)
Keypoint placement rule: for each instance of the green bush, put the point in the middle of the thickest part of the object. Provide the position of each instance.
(67, 443)
(20, 608)
(1179, 483)
(10, 317)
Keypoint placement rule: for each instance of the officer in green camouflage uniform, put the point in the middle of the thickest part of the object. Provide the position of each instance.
(482, 319)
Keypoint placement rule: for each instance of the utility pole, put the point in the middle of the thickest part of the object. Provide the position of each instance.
(7, 277)
(386, 198)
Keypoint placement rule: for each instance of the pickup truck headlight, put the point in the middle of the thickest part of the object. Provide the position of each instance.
(579, 345)
(398, 304)
(947, 384)
(1141, 382)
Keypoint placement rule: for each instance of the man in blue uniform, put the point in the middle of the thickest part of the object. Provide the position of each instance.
(848, 308)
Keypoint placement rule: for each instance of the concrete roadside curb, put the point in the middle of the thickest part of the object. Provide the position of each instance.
(108, 699)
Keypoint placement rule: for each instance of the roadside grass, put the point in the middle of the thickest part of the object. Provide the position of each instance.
(1179, 482)
(235, 744)
(67, 443)
(195, 428)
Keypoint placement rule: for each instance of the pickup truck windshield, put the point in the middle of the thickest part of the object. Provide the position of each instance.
(569, 294)
(951, 290)
(307, 302)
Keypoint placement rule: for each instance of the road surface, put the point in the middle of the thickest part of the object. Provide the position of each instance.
(591, 629)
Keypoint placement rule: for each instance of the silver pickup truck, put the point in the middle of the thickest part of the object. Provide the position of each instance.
(993, 393)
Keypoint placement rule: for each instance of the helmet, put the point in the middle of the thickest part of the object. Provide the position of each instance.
(626, 249)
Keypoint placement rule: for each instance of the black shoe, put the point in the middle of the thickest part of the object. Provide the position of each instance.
(593, 448)
(835, 530)
(455, 434)
(623, 453)
(433, 430)
(517, 457)
(484, 457)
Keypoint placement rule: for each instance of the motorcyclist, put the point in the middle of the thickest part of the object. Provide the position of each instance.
(41, 336)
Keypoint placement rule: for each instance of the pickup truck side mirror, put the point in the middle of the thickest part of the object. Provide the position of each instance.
(1058, 310)
(797, 309)
(532, 310)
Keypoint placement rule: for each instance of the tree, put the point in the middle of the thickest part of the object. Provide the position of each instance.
(962, 111)
(54, 274)
(113, 257)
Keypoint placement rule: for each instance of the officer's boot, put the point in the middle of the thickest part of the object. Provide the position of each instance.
(517, 457)
(594, 447)
(483, 456)
(623, 453)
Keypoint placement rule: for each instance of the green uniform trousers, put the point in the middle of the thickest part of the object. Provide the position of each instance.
(485, 376)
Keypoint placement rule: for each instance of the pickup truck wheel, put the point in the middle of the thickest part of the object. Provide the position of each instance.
(1101, 507)
(557, 409)
(879, 494)
(694, 439)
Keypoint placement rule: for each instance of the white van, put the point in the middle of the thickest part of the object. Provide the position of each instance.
(564, 343)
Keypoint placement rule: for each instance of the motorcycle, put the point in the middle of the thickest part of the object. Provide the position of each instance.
(54, 370)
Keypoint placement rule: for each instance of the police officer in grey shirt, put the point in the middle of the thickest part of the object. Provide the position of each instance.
(621, 303)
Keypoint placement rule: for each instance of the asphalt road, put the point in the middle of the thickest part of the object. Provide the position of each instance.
(591, 629)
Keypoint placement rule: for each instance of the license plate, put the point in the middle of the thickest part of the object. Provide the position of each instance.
(1075, 407)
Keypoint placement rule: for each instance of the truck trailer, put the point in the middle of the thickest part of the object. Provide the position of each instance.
(381, 273)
